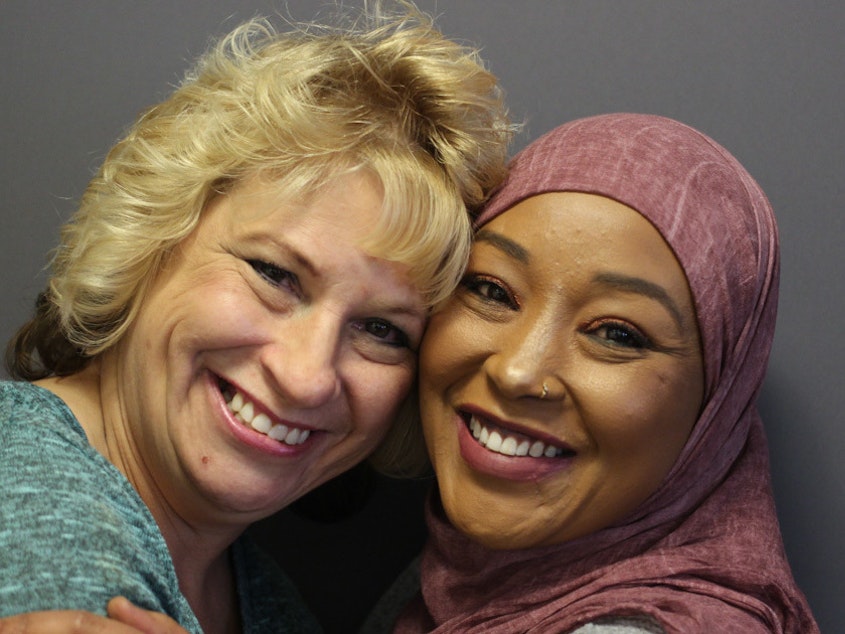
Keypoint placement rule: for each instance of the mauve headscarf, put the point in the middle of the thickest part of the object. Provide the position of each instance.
(704, 552)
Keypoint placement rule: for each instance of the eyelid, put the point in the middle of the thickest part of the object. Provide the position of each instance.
(641, 340)
(473, 281)
(402, 335)
(290, 281)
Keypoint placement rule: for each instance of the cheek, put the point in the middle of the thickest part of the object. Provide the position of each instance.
(653, 421)
(376, 398)
(454, 348)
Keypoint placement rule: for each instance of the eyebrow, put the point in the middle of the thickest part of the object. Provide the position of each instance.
(291, 252)
(504, 244)
(618, 281)
(640, 286)
(304, 262)
(391, 308)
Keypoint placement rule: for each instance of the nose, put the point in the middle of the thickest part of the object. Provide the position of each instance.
(528, 362)
(303, 361)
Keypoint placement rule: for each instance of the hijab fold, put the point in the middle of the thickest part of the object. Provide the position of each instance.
(704, 552)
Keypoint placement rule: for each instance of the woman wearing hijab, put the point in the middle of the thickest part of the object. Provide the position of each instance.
(589, 398)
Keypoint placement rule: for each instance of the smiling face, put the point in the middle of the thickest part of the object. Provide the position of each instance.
(581, 294)
(269, 356)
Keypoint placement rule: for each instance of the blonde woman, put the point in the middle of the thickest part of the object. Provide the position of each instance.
(233, 316)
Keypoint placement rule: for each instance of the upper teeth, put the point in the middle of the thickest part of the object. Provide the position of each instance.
(508, 445)
(244, 411)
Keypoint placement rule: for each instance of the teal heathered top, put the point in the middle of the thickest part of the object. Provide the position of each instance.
(74, 532)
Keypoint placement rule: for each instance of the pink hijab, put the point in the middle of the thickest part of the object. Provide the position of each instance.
(704, 552)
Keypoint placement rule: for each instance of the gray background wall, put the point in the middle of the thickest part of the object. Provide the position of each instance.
(764, 78)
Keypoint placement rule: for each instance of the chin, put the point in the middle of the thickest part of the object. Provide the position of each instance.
(493, 539)
(502, 535)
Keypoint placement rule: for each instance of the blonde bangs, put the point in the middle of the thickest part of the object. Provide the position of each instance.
(424, 224)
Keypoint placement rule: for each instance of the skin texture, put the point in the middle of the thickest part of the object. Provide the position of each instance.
(278, 300)
(580, 293)
(621, 362)
(125, 618)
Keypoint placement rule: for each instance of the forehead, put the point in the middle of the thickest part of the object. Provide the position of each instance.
(547, 220)
(570, 235)
(322, 237)
(349, 206)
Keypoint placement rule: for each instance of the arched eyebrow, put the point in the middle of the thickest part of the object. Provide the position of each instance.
(640, 286)
(617, 281)
(289, 251)
(506, 245)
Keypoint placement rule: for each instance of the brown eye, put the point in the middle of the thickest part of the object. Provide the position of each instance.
(489, 290)
(619, 333)
(275, 275)
(386, 332)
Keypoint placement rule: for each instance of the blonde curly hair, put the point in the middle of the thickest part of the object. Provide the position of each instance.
(387, 93)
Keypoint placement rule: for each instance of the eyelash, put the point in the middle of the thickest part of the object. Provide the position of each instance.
(631, 336)
(275, 275)
(612, 332)
(401, 338)
(476, 283)
(278, 277)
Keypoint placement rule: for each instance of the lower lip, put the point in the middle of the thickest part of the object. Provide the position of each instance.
(522, 468)
(247, 436)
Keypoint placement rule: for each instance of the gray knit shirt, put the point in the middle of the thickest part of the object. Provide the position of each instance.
(74, 532)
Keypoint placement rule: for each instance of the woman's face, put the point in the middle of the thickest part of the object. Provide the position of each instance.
(580, 293)
(270, 355)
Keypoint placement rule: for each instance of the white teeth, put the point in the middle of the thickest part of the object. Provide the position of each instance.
(278, 432)
(237, 402)
(262, 423)
(244, 411)
(494, 443)
(508, 445)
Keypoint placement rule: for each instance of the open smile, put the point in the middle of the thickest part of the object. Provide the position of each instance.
(246, 412)
(507, 442)
(507, 450)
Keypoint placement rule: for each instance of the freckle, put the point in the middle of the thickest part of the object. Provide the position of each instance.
(205, 459)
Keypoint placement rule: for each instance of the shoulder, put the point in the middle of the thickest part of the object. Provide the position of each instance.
(73, 530)
(45, 457)
(268, 598)
(21, 401)
(36, 423)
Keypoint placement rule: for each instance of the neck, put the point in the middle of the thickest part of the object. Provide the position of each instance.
(211, 592)
(202, 559)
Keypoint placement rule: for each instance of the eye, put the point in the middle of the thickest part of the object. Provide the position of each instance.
(275, 275)
(619, 333)
(384, 332)
(387, 332)
(489, 290)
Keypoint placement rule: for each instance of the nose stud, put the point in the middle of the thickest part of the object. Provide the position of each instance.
(545, 391)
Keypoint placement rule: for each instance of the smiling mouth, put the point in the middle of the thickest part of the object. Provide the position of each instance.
(245, 412)
(509, 443)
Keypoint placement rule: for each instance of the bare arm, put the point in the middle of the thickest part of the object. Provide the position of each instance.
(124, 618)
